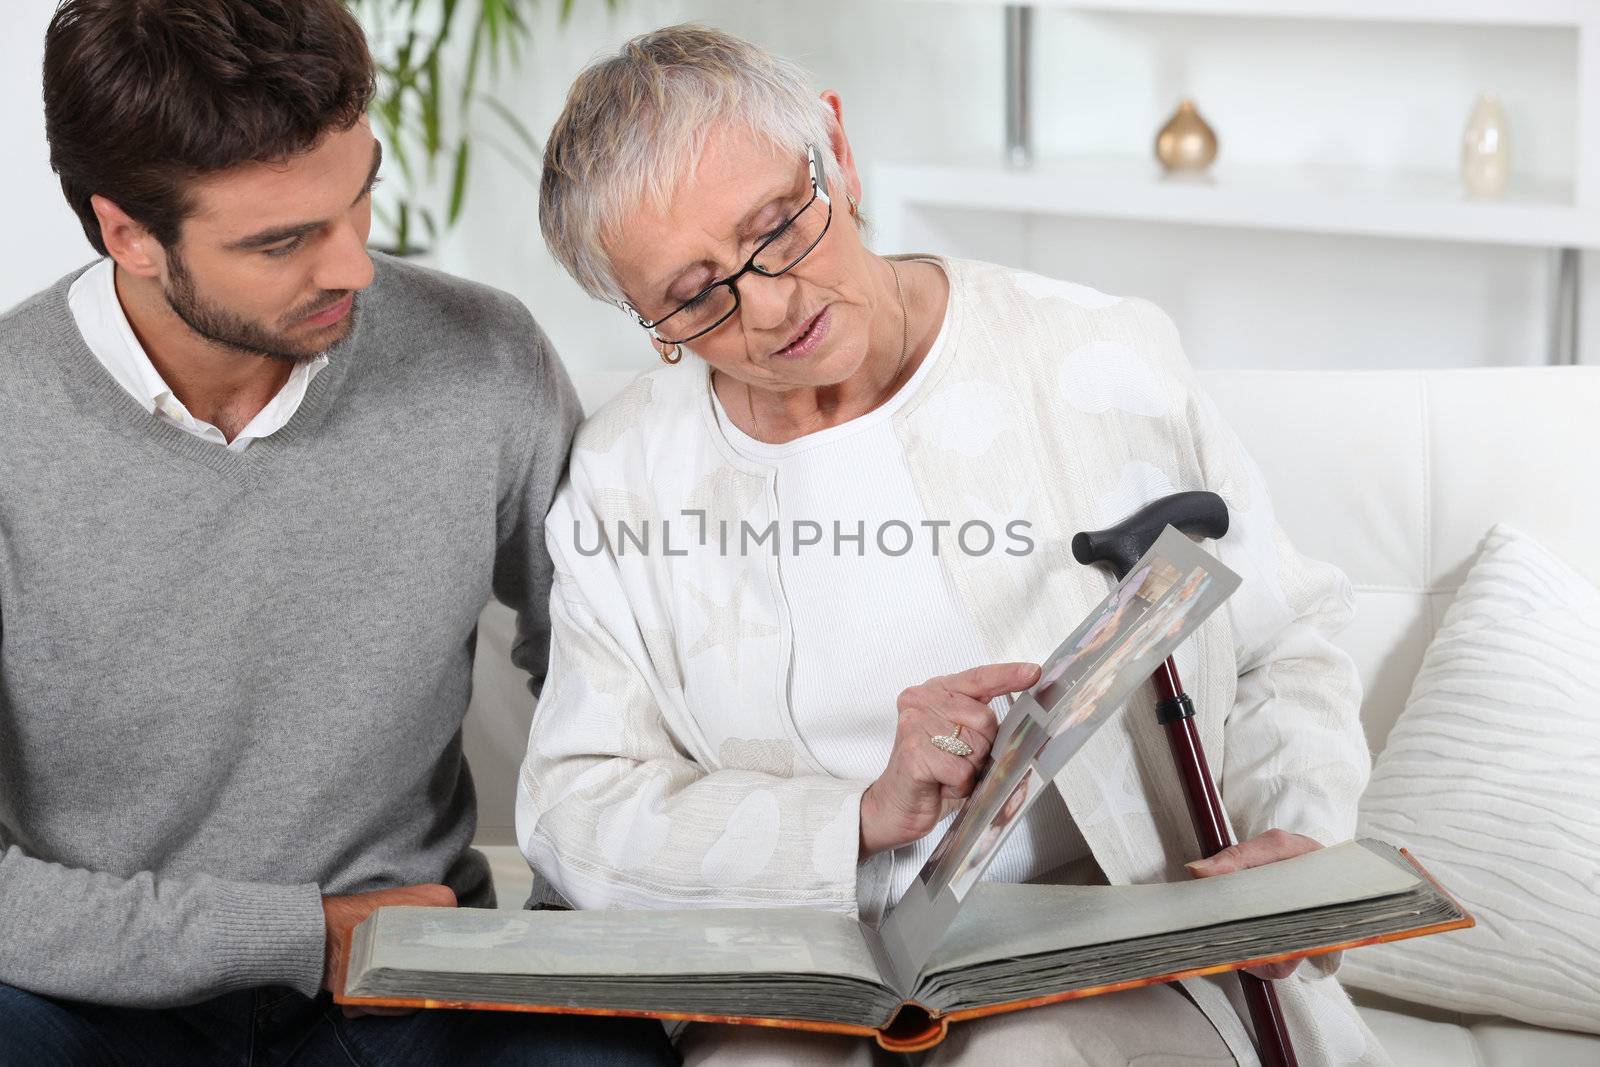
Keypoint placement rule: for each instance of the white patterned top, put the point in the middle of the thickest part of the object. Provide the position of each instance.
(665, 768)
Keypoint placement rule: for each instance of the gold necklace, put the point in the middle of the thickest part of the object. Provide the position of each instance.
(905, 350)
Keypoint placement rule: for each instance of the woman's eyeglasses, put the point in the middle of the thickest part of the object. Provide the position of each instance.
(776, 255)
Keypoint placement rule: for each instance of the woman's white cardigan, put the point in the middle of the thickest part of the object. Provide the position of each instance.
(664, 769)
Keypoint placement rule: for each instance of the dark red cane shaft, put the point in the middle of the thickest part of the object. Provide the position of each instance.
(1212, 833)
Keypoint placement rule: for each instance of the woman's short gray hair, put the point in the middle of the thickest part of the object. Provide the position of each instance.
(636, 123)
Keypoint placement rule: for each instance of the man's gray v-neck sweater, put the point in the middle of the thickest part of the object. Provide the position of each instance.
(232, 683)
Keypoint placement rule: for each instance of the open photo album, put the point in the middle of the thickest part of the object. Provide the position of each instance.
(953, 947)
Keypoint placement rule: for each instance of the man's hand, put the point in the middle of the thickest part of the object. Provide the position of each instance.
(1270, 847)
(343, 914)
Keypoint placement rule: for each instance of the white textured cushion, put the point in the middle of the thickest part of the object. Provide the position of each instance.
(1492, 778)
(1417, 1036)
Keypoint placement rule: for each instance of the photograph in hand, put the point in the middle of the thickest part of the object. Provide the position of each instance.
(1152, 605)
(994, 834)
(1105, 640)
(959, 851)
(1165, 597)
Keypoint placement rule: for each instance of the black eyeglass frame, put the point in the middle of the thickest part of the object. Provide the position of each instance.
(819, 191)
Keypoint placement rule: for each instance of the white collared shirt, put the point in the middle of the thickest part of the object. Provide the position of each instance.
(99, 316)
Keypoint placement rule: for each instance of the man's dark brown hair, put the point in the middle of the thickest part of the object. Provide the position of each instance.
(143, 96)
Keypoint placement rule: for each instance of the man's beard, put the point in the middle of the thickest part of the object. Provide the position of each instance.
(228, 330)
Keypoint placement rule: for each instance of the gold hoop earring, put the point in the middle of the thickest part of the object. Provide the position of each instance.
(853, 203)
(674, 359)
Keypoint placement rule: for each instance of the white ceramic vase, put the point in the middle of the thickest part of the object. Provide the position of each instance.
(1486, 149)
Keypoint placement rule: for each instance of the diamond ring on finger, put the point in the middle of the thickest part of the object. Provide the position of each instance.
(953, 745)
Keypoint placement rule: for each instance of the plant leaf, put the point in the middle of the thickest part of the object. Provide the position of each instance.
(469, 80)
(447, 18)
(384, 216)
(417, 84)
(429, 92)
(515, 159)
(529, 141)
(489, 22)
(458, 185)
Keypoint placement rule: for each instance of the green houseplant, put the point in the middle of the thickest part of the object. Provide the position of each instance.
(434, 58)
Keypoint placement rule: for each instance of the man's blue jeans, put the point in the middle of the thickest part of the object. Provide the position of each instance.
(274, 1026)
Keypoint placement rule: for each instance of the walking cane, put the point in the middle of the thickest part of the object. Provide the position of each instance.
(1197, 514)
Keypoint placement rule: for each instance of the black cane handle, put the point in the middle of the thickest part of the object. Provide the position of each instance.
(1196, 513)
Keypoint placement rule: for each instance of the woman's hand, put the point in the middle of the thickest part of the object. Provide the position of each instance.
(1269, 847)
(922, 782)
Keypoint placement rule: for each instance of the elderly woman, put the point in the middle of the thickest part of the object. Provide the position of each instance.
(773, 586)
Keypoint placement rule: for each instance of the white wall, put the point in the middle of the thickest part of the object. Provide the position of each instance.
(44, 240)
(923, 81)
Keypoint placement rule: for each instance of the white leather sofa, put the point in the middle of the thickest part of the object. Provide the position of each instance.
(1394, 476)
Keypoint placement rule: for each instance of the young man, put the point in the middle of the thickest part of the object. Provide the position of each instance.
(255, 487)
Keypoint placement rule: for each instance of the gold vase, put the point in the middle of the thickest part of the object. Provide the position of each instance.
(1186, 143)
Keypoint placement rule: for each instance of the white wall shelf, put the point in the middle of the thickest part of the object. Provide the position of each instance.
(1570, 13)
(1307, 200)
(1562, 216)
